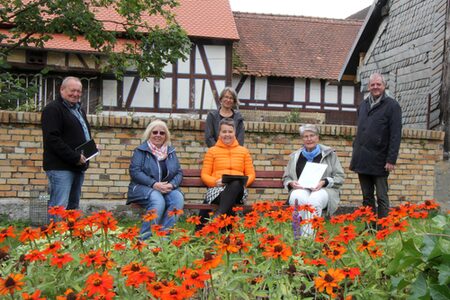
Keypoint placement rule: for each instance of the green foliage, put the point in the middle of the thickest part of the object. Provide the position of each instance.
(142, 46)
(428, 255)
(293, 117)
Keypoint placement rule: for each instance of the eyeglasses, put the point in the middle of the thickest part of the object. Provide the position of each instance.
(155, 132)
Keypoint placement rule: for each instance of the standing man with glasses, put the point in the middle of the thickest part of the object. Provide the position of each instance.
(377, 143)
(65, 127)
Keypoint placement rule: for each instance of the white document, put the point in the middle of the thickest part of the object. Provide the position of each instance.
(311, 175)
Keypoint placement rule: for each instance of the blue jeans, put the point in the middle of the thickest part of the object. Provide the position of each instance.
(65, 188)
(162, 204)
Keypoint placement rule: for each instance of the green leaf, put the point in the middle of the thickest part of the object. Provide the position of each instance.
(444, 274)
(439, 292)
(419, 289)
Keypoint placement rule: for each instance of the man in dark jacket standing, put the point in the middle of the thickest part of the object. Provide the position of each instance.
(376, 146)
(65, 127)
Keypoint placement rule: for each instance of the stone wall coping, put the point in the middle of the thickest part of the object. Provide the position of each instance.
(140, 122)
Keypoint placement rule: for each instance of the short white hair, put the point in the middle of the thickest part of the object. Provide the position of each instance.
(308, 127)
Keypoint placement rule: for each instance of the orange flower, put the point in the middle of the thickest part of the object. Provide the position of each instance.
(48, 229)
(347, 234)
(174, 292)
(194, 220)
(429, 205)
(104, 220)
(150, 216)
(30, 234)
(59, 260)
(209, 261)
(129, 233)
(279, 216)
(365, 245)
(195, 278)
(7, 232)
(375, 252)
(155, 288)
(156, 250)
(399, 226)
(351, 272)
(35, 255)
(119, 246)
(333, 250)
(11, 284)
(52, 248)
(175, 212)
(99, 284)
(35, 296)
(278, 250)
(57, 211)
(139, 245)
(365, 213)
(251, 220)
(68, 294)
(94, 257)
(181, 241)
(262, 206)
(269, 239)
(315, 262)
(329, 281)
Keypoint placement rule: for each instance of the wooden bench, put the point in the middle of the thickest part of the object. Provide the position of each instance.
(191, 178)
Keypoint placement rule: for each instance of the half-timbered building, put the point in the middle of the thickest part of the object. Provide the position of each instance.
(293, 62)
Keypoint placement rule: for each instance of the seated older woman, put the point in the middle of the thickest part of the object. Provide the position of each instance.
(155, 177)
(326, 193)
(227, 157)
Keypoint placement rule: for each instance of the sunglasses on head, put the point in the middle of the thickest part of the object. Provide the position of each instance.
(155, 132)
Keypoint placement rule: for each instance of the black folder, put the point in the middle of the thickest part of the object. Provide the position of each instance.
(88, 149)
(229, 178)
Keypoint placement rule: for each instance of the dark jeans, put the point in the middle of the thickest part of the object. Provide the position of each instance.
(370, 184)
(230, 196)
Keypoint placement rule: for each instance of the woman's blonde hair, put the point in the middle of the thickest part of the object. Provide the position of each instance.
(152, 125)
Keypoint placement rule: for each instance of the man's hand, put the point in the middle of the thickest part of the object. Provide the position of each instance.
(389, 167)
(82, 160)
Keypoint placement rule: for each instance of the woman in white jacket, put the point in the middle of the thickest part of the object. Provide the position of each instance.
(326, 194)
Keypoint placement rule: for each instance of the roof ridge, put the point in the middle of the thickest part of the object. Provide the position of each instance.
(296, 17)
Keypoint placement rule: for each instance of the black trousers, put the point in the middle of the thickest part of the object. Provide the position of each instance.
(230, 196)
(379, 184)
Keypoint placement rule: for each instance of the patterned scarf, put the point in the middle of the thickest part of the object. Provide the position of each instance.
(310, 155)
(159, 153)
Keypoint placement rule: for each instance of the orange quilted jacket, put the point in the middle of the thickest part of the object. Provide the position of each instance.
(222, 159)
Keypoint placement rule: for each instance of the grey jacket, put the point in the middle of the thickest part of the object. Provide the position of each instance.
(212, 127)
(334, 174)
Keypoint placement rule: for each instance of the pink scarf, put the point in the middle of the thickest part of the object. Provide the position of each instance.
(160, 153)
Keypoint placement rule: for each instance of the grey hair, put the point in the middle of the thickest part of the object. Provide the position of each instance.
(233, 94)
(308, 127)
(227, 121)
(377, 75)
(152, 126)
(70, 78)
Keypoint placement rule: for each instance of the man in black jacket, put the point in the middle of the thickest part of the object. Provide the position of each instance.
(376, 146)
(65, 127)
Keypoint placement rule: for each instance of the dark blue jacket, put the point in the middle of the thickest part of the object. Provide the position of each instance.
(212, 127)
(378, 137)
(145, 171)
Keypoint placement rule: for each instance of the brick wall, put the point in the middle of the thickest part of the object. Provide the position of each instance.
(22, 177)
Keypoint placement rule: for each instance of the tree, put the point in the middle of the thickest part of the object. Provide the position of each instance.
(137, 43)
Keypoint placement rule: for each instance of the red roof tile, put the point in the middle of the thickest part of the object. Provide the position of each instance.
(293, 46)
(209, 19)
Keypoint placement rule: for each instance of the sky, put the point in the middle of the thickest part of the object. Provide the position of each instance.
(337, 9)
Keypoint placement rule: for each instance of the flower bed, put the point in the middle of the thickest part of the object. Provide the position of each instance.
(251, 256)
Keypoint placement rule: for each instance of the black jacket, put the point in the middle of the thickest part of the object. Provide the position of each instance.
(62, 133)
(378, 138)
(212, 127)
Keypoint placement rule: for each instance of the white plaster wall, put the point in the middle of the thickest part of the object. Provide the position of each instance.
(216, 58)
(183, 66)
(348, 95)
(183, 93)
(244, 93)
(144, 92)
(261, 88)
(299, 90)
(109, 93)
(331, 94)
(165, 93)
(314, 91)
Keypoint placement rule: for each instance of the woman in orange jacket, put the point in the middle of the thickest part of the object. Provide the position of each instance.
(227, 157)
